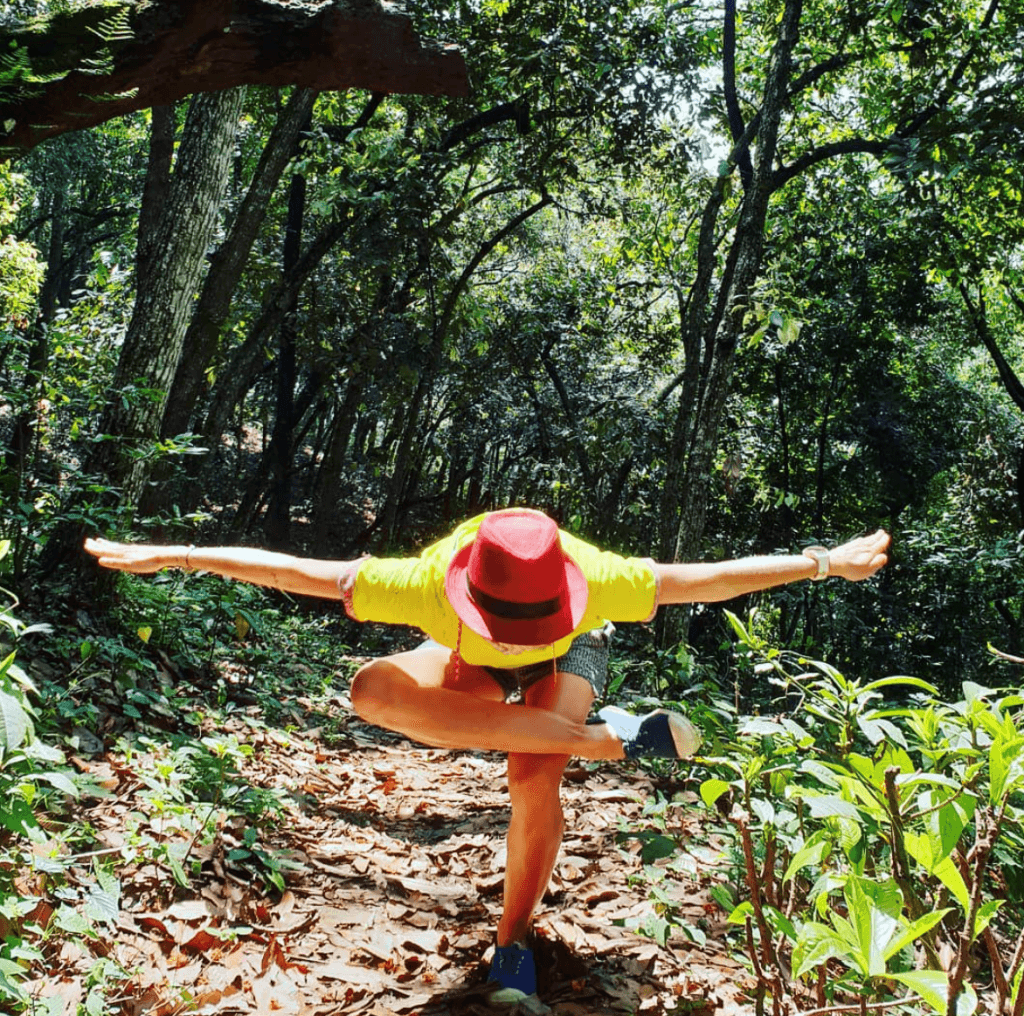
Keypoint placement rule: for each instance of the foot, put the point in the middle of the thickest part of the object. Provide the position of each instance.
(513, 974)
(660, 734)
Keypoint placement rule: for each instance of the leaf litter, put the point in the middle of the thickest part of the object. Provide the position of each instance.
(392, 856)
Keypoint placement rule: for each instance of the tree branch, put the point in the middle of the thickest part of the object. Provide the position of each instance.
(954, 82)
(850, 146)
(1008, 376)
(88, 65)
(732, 105)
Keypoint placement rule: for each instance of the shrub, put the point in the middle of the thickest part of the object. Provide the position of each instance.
(871, 838)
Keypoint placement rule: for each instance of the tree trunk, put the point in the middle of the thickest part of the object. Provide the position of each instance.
(571, 418)
(396, 484)
(153, 342)
(155, 191)
(244, 365)
(276, 529)
(328, 481)
(746, 254)
(227, 264)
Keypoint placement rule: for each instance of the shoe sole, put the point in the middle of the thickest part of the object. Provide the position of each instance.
(523, 1005)
(685, 736)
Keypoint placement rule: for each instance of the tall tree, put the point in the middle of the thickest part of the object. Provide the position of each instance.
(163, 307)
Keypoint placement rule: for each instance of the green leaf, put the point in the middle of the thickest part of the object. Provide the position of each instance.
(873, 918)
(790, 331)
(949, 875)
(15, 725)
(737, 626)
(975, 692)
(1006, 767)
(657, 847)
(933, 987)
(820, 772)
(817, 944)
(741, 913)
(811, 853)
(17, 816)
(723, 897)
(913, 682)
(913, 931)
(657, 928)
(102, 906)
(711, 790)
(757, 726)
(71, 921)
(935, 779)
(61, 782)
(985, 914)
(830, 806)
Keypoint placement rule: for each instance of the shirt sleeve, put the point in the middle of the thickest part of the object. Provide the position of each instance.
(390, 590)
(620, 588)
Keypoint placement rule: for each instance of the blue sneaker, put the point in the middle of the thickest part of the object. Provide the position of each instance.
(660, 734)
(514, 974)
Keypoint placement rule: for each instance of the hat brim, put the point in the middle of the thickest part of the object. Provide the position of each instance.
(539, 631)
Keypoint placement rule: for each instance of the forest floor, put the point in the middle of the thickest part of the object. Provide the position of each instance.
(395, 855)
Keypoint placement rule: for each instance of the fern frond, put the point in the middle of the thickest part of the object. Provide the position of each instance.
(114, 96)
(99, 66)
(116, 28)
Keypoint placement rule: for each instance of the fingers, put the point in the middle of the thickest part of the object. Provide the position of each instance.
(862, 557)
(119, 556)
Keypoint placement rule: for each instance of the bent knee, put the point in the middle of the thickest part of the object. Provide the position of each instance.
(376, 687)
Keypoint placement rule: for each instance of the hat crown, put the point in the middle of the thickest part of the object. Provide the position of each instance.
(518, 556)
(515, 583)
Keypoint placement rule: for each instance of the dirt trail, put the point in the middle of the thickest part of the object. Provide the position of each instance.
(399, 853)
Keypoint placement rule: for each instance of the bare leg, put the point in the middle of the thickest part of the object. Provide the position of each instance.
(415, 693)
(535, 830)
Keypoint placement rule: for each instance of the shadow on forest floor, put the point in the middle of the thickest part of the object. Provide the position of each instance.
(392, 856)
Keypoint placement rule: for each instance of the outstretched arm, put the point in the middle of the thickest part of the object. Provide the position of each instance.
(722, 580)
(306, 576)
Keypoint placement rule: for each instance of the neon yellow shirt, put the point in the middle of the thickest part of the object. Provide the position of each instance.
(411, 591)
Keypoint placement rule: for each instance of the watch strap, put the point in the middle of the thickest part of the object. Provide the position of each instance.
(819, 555)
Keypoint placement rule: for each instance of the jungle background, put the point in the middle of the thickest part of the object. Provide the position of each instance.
(699, 281)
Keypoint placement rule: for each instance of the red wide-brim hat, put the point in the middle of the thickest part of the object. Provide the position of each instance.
(514, 583)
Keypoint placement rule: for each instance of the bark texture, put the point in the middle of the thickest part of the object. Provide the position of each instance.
(153, 342)
(87, 66)
(706, 382)
(227, 264)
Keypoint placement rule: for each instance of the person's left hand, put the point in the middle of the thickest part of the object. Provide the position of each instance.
(860, 558)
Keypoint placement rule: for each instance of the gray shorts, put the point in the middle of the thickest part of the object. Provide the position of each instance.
(587, 656)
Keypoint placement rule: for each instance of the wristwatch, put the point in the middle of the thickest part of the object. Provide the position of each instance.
(819, 555)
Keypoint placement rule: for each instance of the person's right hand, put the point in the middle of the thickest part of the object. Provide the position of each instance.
(140, 558)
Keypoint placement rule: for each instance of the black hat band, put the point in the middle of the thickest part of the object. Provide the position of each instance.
(511, 610)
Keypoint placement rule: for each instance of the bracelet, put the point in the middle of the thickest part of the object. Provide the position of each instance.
(188, 554)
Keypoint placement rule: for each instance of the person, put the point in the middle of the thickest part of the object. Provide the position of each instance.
(518, 615)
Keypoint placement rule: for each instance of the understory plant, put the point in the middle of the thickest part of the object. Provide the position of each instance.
(878, 840)
(39, 899)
